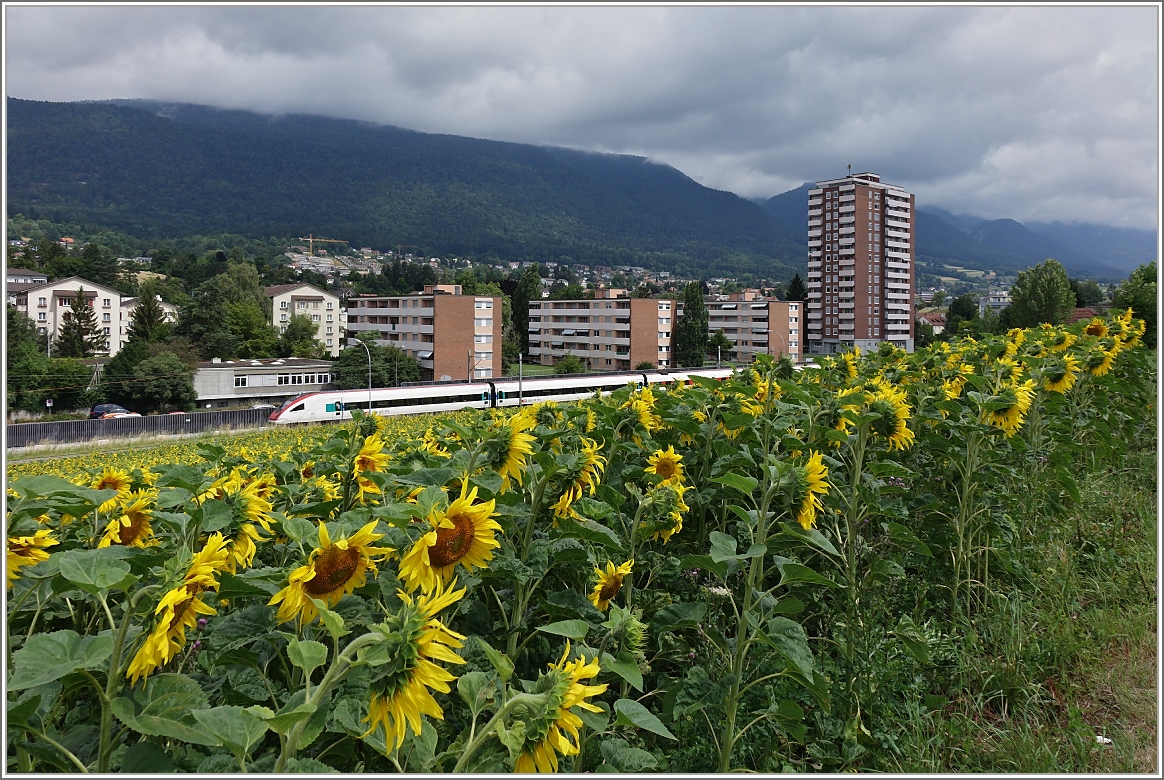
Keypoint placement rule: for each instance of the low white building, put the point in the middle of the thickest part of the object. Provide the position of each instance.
(223, 383)
(307, 300)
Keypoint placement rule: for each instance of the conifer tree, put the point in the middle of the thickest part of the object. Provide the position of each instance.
(148, 321)
(690, 340)
(80, 336)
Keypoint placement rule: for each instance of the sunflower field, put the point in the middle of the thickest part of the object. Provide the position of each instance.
(756, 574)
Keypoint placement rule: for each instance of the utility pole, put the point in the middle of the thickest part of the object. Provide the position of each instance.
(365, 346)
(519, 373)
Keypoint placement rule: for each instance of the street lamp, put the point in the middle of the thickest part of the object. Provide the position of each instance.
(781, 335)
(365, 346)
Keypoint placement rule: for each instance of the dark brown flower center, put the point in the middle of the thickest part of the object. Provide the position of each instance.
(611, 588)
(333, 568)
(452, 544)
(665, 468)
(128, 534)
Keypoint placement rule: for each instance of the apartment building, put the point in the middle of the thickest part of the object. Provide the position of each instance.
(861, 252)
(756, 325)
(451, 335)
(128, 305)
(288, 300)
(612, 331)
(46, 304)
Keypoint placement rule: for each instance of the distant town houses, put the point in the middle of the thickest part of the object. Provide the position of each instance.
(46, 304)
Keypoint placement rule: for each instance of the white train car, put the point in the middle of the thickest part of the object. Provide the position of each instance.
(423, 399)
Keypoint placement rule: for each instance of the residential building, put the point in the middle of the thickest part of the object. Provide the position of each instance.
(128, 305)
(24, 276)
(936, 319)
(322, 307)
(613, 332)
(756, 325)
(46, 304)
(451, 335)
(221, 383)
(995, 300)
(861, 251)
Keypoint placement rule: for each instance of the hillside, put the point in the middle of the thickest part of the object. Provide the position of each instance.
(166, 170)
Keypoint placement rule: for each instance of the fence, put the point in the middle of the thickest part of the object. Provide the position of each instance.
(25, 434)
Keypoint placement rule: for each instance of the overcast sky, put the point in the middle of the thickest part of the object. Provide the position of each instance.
(1033, 113)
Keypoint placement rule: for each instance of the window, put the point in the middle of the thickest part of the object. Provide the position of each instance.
(323, 379)
(297, 379)
(483, 339)
(482, 355)
(283, 317)
(41, 302)
(664, 320)
(106, 331)
(330, 305)
(64, 301)
(329, 342)
(302, 305)
(664, 334)
(282, 304)
(105, 317)
(483, 322)
(41, 316)
(105, 303)
(315, 318)
(315, 304)
(240, 381)
(329, 318)
(483, 304)
(329, 329)
(284, 379)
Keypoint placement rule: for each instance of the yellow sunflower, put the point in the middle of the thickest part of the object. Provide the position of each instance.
(556, 730)
(1099, 362)
(27, 551)
(132, 528)
(1010, 418)
(609, 583)
(463, 533)
(432, 445)
(371, 456)
(666, 464)
(890, 402)
(333, 570)
(1061, 340)
(1096, 327)
(416, 635)
(1060, 377)
(849, 361)
(179, 610)
(813, 478)
(112, 479)
(642, 405)
(586, 474)
(676, 514)
(509, 445)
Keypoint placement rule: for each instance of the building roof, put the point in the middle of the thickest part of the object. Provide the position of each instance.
(26, 272)
(1081, 313)
(289, 363)
(88, 285)
(279, 289)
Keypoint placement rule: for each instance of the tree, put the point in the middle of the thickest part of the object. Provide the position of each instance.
(80, 336)
(25, 361)
(1041, 294)
(299, 338)
(148, 321)
(645, 365)
(690, 335)
(720, 345)
(962, 309)
(390, 367)
(939, 298)
(66, 381)
(256, 338)
(797, 290)
(1138, 293)
(203, 321)
(164, 382)
(923, 335)
(119, 377)
(1086, 292)
(102, 264)
(566, 292)
(570, 364)
(529, 288)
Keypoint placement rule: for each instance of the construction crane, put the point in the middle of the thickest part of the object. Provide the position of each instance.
(311, 240)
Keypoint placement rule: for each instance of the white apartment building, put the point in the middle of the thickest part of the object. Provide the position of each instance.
(612, 332)
(46, 303)
(288, 300)
(861, 252)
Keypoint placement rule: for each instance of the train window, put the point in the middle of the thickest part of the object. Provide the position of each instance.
(298, 408)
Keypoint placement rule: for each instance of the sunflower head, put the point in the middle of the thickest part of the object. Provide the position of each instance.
(132, 527)
(609, 583)
(464, 534)
(811, 483)
(1018, 398)
(112, 479)
(333, 570)
(1060, 374)
(894, 412)
(552, 728)
(507, 445)
(27, 551)
(371, 456)
(584, 472)
(666, 464)
(1096, 327)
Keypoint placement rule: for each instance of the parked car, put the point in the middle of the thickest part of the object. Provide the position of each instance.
(101, 410)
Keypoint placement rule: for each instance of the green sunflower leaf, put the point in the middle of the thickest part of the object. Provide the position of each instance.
(48, 657)
(745, 484)
(630, 713)
(571, 629)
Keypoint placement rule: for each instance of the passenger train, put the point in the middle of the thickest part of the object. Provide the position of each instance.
(485, 394)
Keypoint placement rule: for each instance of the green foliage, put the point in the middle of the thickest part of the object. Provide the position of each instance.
(689, 340)
(164, 382)
(570, 364)
(299, 338)
(390, 367)
(148, 321)
(25, 361)
(1041, 294)
(797, 290)
(1138, 293)
(721, 342)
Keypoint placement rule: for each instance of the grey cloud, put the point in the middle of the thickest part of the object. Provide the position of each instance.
(1027, 112)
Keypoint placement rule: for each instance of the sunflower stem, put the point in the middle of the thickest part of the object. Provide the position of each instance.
(475, 744)
(113, 681)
